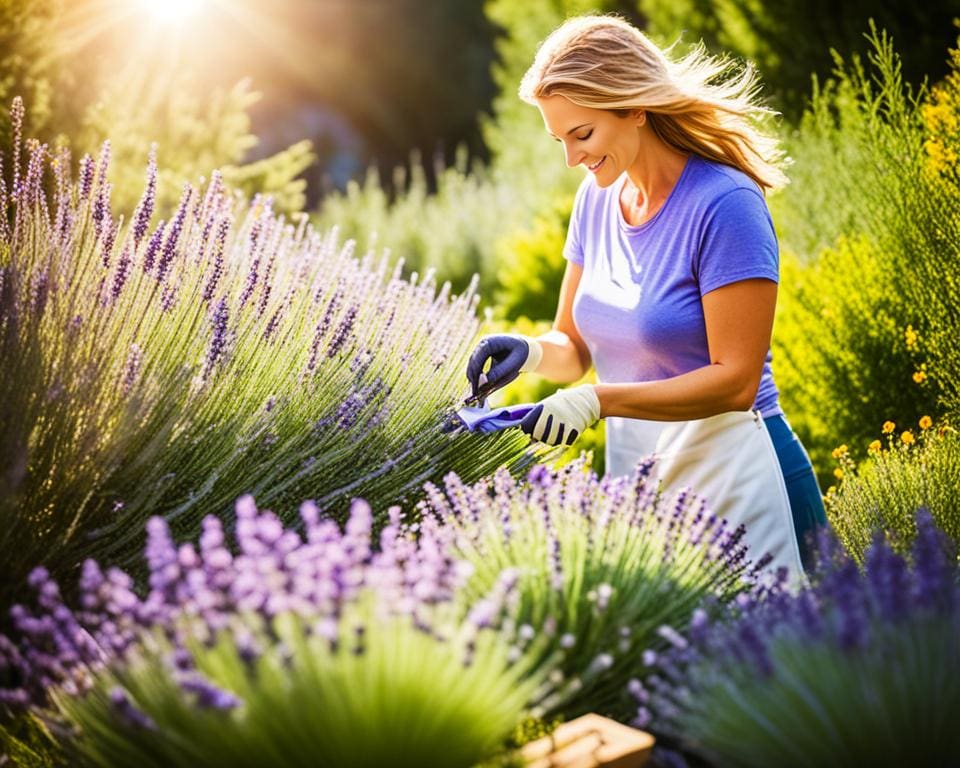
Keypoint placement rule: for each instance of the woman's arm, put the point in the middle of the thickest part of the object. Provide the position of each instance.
(565, 355)
(739, 323)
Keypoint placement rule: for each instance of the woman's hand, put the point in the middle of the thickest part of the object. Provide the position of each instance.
(561, 418)
(511, 355)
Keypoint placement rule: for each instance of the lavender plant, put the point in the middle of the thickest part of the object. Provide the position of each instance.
(863, 668)
(168, 367)
(314, 650)
(606, 566)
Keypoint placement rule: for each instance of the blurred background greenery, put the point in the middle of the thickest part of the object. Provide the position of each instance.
(397, 121)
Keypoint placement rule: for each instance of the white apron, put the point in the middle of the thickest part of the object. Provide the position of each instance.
(729, 461)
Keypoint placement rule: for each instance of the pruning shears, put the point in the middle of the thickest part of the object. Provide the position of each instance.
(483, 393)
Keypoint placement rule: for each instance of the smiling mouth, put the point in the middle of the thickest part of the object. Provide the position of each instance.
(599, 163)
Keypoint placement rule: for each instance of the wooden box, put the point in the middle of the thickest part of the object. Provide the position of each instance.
(590, 741)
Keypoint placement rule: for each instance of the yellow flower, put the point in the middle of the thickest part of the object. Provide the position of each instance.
(838, 473)
(926, 422)
(888, 427)
(875, 447)
(919, 377)
(840, 452)
(908, 438)
(911, 337)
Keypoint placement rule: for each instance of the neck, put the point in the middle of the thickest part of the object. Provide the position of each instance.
(655, 170)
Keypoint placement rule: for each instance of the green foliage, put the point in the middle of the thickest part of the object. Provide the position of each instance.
(918, 468)
(408, 696)
(194, 133)
(841, 356)
(452, 231)
(531, 265)
(26, 743)
(26, 60)
(790, 40)
(865, 331)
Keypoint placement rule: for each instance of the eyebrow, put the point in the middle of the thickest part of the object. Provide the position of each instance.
(576, 128)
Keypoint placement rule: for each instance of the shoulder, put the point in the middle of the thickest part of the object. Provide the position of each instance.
(721, 188)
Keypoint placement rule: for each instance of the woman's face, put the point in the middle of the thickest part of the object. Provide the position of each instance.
(605, 144)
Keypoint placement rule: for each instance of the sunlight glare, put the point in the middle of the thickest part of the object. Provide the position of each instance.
(172, 10)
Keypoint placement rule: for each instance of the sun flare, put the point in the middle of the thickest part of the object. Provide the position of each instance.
(172, 10)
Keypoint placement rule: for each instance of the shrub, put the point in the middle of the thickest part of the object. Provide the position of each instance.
(295, 651)
(863, 668)
(160, 369)
(918, 468)
(865, 330)
(531, 265)
(846, 352)
(603, 565)
(452, 231)
(195, 132)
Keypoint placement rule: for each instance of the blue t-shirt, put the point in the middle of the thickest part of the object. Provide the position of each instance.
(638, 306)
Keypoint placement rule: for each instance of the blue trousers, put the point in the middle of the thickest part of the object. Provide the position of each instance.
(806, 501)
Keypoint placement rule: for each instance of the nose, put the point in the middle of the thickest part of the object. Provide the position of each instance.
(573, 157)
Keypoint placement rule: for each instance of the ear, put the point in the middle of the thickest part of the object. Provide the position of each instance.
(640, 115)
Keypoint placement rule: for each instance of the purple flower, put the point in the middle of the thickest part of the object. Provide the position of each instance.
(173, 235)
(218, 339)
(131, 371)
(250, 283)
(128, 712)
(935, 568)
(322, 328)
(216, 271)
(120, 276)
(87, 170)
(153, 247)
(144, 211)
(208, 695)
(342, 332)
(889, 580)
(17, 113)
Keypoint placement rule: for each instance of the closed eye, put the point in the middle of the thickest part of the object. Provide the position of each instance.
(579, 138)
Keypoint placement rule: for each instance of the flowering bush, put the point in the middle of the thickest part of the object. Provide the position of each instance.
(603, 566)
(863, 668)
(867, 323)
(909, 469)
(313, 650)
(161, 368)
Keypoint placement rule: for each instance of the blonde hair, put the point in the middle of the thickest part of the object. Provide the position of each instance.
(699, 104)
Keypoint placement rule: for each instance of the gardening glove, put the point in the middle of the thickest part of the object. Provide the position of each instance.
(562, 417)
(510, 355)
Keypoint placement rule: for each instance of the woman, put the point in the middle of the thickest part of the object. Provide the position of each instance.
(671, 282)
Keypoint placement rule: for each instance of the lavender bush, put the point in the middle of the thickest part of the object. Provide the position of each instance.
(863, 668)
(313, 650)
(605, 567)
(167, 367)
